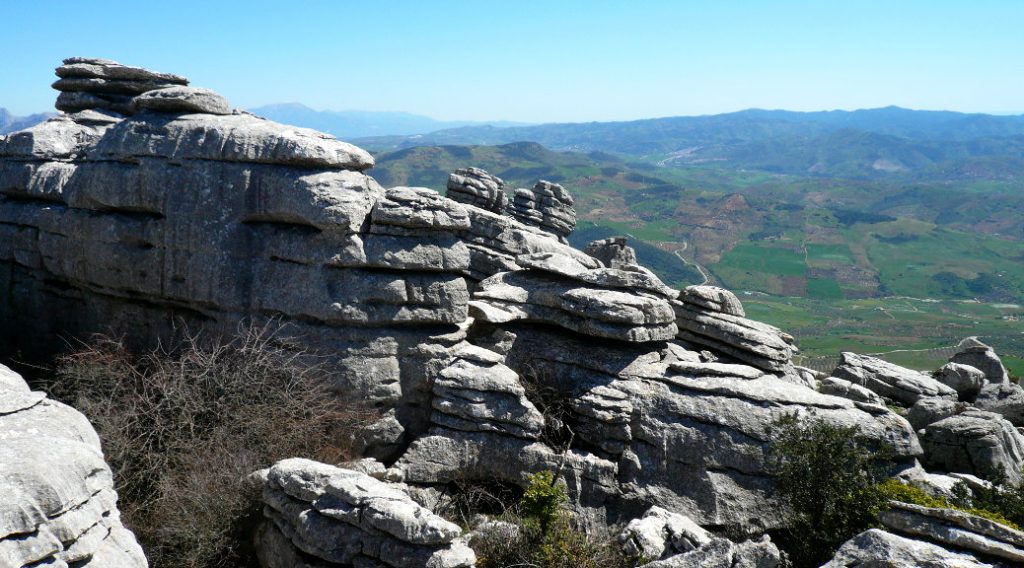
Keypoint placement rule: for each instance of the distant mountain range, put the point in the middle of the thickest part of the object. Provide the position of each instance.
(883, 142)
(359, 124)
(11, 123)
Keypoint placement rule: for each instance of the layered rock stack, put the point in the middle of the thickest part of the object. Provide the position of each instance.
(57, 501)
(613, 252)
(321, 515)
(548, 206)
(439, 312)
(476, 187)
(101, 84)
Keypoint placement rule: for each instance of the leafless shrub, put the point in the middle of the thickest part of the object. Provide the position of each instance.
(182, 428)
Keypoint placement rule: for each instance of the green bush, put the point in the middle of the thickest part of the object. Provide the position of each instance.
(544, 535)
(1002, 502)
(827, 476)
(894, 490)
(183, 428)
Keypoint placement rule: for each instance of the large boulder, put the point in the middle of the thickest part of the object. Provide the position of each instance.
(966, 380)
(342, 517)
(976, 442)
(976, 354)
(1005, 399)
(474, 186)
(898, 384)
(878, 548)
(956, 530)
(58, 506)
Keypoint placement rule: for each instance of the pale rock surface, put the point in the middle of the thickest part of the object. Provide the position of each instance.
(982, 357)
(660, 533)
(957, 530)
(892, 382)
(846, 389)
(474, 186)
(547, 206)
(723, 553)
(966, 380)
(321, 515)
(878, 548)
(57, 499)
(1005, 399)
(976, 442)
(612, 252)
(182, 100)
(929, 410)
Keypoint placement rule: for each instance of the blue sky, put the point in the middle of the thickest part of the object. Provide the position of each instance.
(540, 61)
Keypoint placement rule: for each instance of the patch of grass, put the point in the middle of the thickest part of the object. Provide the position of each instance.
(756, 257)
(824, 289)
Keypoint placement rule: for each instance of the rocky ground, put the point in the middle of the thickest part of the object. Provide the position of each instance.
(150, 202)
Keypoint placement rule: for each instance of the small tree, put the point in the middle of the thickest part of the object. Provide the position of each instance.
(827, 475)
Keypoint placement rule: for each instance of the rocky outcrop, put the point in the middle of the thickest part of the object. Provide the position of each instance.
(478, 188)
(976, 354)
(964, 379)
(956, 530)
(548, 206)
(895, 383)
(930, 410)
(976, 442)
(613, 252)
(57, 501)
(102, 84)
(321, 515)
(493, 349)
(1005, 399)
(876, 547)
(724, 553)
(660, 533)
(846, 389)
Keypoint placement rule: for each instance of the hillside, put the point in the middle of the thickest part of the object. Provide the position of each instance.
(831, 257)
(354, 123)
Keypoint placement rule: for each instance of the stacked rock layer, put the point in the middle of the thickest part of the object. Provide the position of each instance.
(448, 315)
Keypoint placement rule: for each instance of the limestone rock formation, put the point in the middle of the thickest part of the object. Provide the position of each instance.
(57, 501)
(876, 547)
(982, 357)
(846, 389)
(493, 348)
(976, 442)
(548, 206)
(932, 409)
(321, 515)
(723, 553)
(1005, 399)
(613, 252)
(892, 382)
(660, 533)
(956, 530)
(966, 380)
(102, 84)
(474, 186)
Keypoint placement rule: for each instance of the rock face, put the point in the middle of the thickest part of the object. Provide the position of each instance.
(476, 187)
(723, 553)
(548, 206)
(892, 382)
(660, 533)
(88, 83)
(494, 349)
(982, 357)
(57, 501)
(956, 530)
(976, 442)
(877, 547)
(1005, 399)
(613, 252)
(328, 516)
(967, 381)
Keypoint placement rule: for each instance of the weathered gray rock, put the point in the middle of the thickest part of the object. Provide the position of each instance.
(585, 309)
(612, 252)
(956, 529)
(976, 442)
(893, 382)
(477, 393)
(474, 186)
(846, 389)
(964, 379)
(660, 533)
(335, 516)
(57, 501)
(982, 357)
(723, 553)
(713, 298)
(756, 343)
(930, 410)
(1005, 399)
(548, 206)
(877, 548)
(182, 100)
(101, 84)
